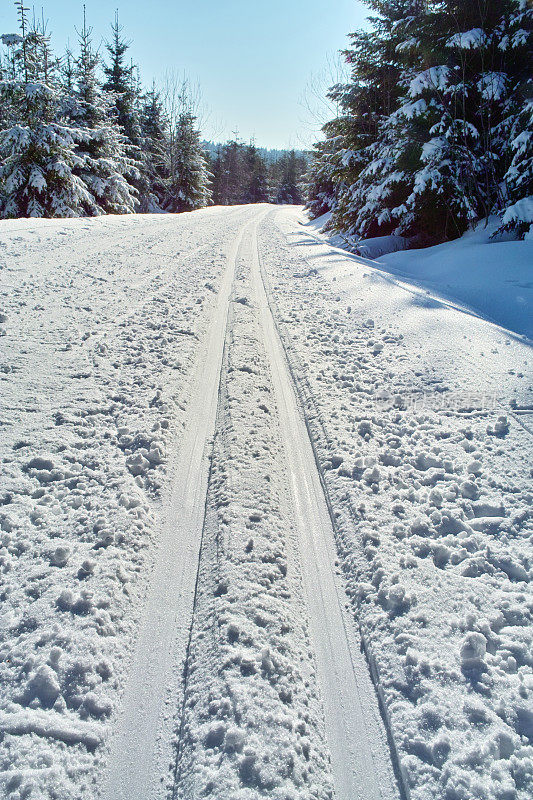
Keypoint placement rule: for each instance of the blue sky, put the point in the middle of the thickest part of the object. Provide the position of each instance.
(254, 60)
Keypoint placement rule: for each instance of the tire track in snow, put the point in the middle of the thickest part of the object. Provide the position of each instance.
(361, 759)
(140, 750)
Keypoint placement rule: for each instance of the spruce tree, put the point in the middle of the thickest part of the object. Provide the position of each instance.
(215, 167)
(290, 170)
(320, 185)
(123, 83)
(119, 77)
(37, 148)
(232, 188)
(517, 217)
(188, 184)
(154, 134)
(103, 163)
(432, 130)
(256, 178)
(515, 132)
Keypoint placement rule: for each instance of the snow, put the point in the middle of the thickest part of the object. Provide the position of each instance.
(521, 211)
(417, 469)
(493, 85)
(411, 110)
(248, 598)
(489, 277)
(432, 78)
(409, 44)
(424, 443)
(100, 322)
(475, 38)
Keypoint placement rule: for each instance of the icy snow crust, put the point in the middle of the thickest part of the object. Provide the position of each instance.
(421, 419)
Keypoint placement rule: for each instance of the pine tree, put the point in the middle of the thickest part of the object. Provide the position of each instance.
(154, 135)
(66, 76)
(476, 77)
(422, 147)
(515, 132)
(215, 167)
(37, 150)
(119, 77)
(9, 60)
(517, 215)
(103, 162)
(256, 178)
(232, 187)
(362, 143)
(188, 184)
(320, 185)
(123, 83)
(288, 192)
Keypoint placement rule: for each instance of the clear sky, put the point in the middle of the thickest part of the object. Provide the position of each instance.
(254, 61)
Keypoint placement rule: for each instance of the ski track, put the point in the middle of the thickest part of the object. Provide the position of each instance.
(361, 762)
(225, 737)
(251, 721)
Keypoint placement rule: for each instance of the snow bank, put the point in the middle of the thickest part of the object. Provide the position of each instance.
(491, 278)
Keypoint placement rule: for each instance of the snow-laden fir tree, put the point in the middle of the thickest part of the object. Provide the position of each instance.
(445, 124)
(8, 71)
(37, 143)
(459, 103)
(517, 217)
(515, 133)
(103, 162)
(120, 82)
(123, 83)
(363, 105)
(320, 185)
(187, 186)
(154, 133)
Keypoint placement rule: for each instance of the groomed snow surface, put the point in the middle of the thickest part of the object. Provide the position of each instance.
(158, 595)
(487, 276)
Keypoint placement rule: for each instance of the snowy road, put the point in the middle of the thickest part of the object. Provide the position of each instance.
(141, 747)
(265, 521)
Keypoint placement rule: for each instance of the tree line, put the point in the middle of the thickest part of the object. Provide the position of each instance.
(80, 135)
(434, 129)
(241, 174)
